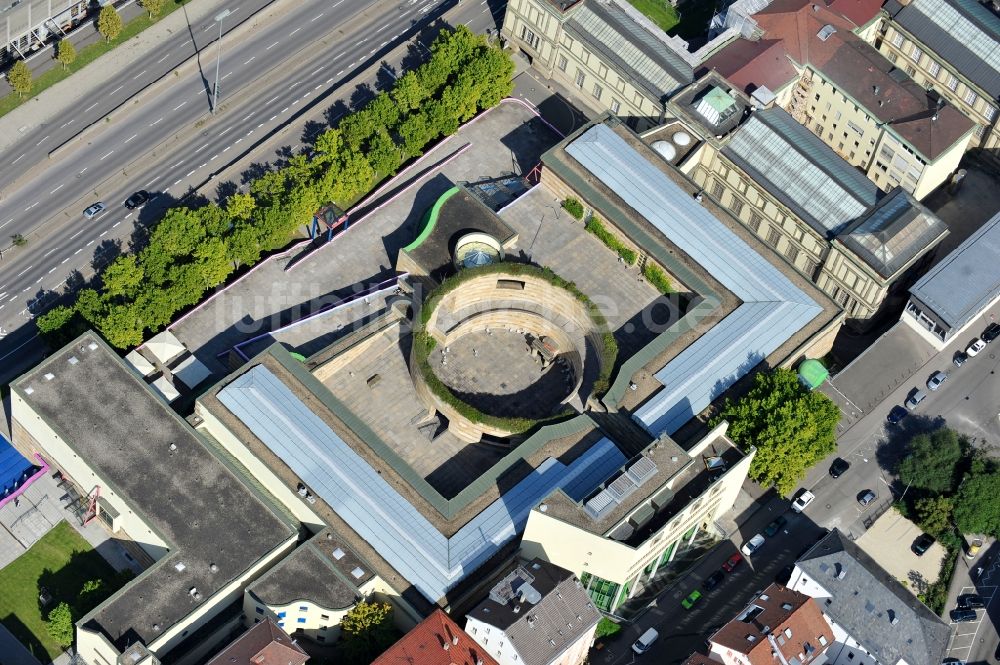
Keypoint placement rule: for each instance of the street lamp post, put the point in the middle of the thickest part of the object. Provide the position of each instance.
(218, 60)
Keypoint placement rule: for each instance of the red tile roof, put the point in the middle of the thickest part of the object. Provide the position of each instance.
(263, 644)
(859, 11)
(437, 640)
(699, 659)
(749, 65)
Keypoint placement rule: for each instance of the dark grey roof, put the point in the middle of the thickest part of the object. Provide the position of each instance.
(281, 648)
(324, 571)
(963, 283)
(798, 169)
(641, 57)
(893, 233)
(963, 33)
(542, 630)
(864, 599)
(188, 496)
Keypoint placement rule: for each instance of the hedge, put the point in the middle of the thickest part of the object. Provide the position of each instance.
(596, 227)
(573, 207)
(655, 276)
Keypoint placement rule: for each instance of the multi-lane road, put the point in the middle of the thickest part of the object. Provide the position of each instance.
(315, 53)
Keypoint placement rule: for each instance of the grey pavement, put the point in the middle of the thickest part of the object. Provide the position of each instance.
(977, 641)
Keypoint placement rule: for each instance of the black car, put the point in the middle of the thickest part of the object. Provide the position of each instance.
(971, 601)
(838, 467)
(895, 415)
(991, 333)
(960, 358)
(713, 580)
(137, 199)
(962, 615)
(775, 526)
(922, 544)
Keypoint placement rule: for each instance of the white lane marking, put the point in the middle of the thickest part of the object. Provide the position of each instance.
(24, 271)
(271, 46)
(318, 87)
(84, 169)
(226, 148)
(139, 74)
(200, 149)
(180, 105)
(316, 71)
(177, 181)
(250, 132)
(292, 33)
(250, 60)
(361, 42)
(238, 140)
(190, 172)
(77, 251)
(107, 155)
(64, 260)
(42, 141)
(150, 182)
(383, 27)
(214, 156)
(103, 234)
(227, 76)
(7, 222)
(292, 86)
(49, 252)
(126, 217)
(284, 109)
(373, 51)
(154, 123)
(16, 160)
(177, 164)
(115, 225)
(272, 99)
(203, 165)
(338, 3)
(163, 58)
(272, 118)
(116, 90)
(31, 206)
(57, 189)
(76, 234)
(340, 72)
(130, 138)
(248, 116)
(53, 270)
(317, 17)
(329, 81)
(90, 107)
(224, 131)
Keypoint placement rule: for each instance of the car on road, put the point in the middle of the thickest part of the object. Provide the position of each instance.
(691, 599)
(916, 397)
(865, 498)
(752, 545)
(839, 467)
(960, 615)
(137, 200)
(732, 562)
(896, 415)
(645, 641)
(937, 378)
(775, 526)
(93, 211)
(713, 580)
(971, 601)
(922, 544)
(959, 359)
(952, 661)
(975, 346)
(802, 500)
(991, 333)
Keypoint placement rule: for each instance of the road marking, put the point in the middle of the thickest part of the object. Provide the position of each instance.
(203, 165)
(250, 115)
(190, 172)
(177, 181)
(383, 27)
(139, 74)
(64, 260)
(16, 160)
(294, 31)
(250, 132)
(373, 51)
(306, 94)
(154, 123)
(42, 141)
(329, 80)
(126, 217)
(200, 149)
(116, 90)
(272, 118)
(238, 140)
(318, 87)
(163, 58)
(284, 109)
(39, 281)
(214, 156)
(107, 155)
(260, 125)
(90, 107)
(130, 138)
(180, 105)
(51, 271)
(115, 225)
(84, 169)
(383, 44)
(102, 235)
(7, 222)
(292, 86)
(317, 17)
(316, 71)
(177, 164)
(227, 76)
(338, 3)
(271, 46)
(224, 131)
(226, 148)
(76, 234)
(49, 252)
(338, 74)
(361, 42)
(57, 189)
(31, 206)
(77, 251)
(24, 271)
(272, 99)
(250, 60)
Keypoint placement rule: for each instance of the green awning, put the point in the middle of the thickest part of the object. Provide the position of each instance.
(812, 373)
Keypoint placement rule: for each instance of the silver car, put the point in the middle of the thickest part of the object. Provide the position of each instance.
(94, 210)
(937, 378)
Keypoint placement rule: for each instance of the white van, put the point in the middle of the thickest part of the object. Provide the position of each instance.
(641, 645)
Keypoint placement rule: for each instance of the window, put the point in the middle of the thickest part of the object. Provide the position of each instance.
(817, 99)
(598, 91)
(916, 54)
(850, 655)
(580, 78)
(980, 130)
(615, 106)
(300, 620)
(911, 70)
(586, 56)
(303, 608)
(773, 236)
(970, 97)
(562, 63)
(934, 68)
(602, 71)
(324, 617)
(809, 267)
(259, 609)
(857, 129)
(567, 41)
(530, 38)
(736, 206)
(281, 615)
(754, 222)
(792, 253)
(717, 190)
(897, 40)
(989, 113)
(621, 84)
(952, 83)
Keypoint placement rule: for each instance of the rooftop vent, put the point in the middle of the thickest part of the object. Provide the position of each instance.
(529, 594)
(29, 390)
(764, 596)
(338, 554)
(212, 567)
(786, 606)
(825, 32)
(179, 566)
(49, 376)
(92, 346)
(751, 638)
(73, 360)
(173, 446)
(358, 573)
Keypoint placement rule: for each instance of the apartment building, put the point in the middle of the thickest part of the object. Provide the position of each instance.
(609, 56)
(952, 46)
(262, 644)
(537, 614)
(660, 507)
(801, 198)
(874, 618)
(437, 640)
(849, 95)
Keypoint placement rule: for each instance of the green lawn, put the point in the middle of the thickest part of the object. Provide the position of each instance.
(86, 55)
(61, 562)
(660, 12)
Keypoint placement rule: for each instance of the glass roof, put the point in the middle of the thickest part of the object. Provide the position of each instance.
(974, 37)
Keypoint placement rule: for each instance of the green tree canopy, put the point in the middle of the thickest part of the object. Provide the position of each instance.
(109, 22)
(367, 631)
(65, 53)
(934, 515)
(152, 7)
(60, 624)
(793, 428)
(19, 77)
(977, 504)
(932, 461)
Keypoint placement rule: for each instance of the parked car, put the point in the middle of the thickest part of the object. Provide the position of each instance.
(896, 415)
(975, 347)
(775, 526)
(92, 211)
(971, 601)
(916, 397)
(991, 333)
(645, 641)
(953, 661)
(752, 545)
(960, 358)
(937, 378)
(866, 497)
(138, 199)
(922, 544)
(960, 615)
(839, 467)
(732, 562)
(691, 599)
(804, 499)
(973, 548)
(713, 580)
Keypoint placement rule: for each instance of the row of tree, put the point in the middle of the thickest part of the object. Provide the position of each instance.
(193, 250)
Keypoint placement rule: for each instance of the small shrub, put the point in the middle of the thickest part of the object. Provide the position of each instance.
(657, 278)
(596, 227)
(607, 628)
(573, 207)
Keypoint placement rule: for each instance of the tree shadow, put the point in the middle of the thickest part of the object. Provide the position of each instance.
(106, 252)
(255, 171)
(311, 130)
(224, 190)
(385, 77)
(74, 281)
(363, 93)
(336, 112)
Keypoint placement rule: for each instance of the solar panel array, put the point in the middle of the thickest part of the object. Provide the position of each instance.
(621, 487)
(373, 508)
(801, 170)
(773, 308)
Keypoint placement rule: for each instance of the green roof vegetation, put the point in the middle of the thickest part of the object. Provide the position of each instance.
(430, 219)
(660, 12)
